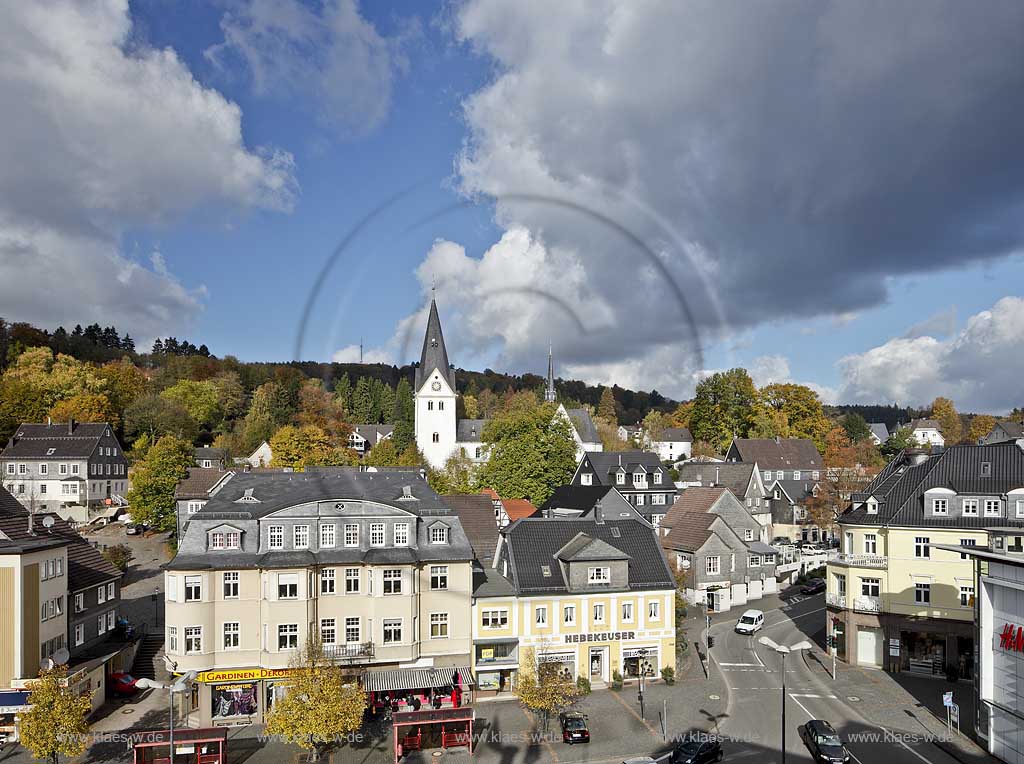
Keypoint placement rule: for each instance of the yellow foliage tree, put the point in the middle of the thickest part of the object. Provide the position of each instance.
(85, 407)
(55, 721)
(981, 425)
(321, 704)
(543, 688)
(944, 412)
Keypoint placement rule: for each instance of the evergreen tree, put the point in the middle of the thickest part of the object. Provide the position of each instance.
(606, 408)
(362, 402)
(343, 392)
(403, 416)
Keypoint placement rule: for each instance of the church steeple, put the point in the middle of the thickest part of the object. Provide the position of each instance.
(549, 391)
(434, 354)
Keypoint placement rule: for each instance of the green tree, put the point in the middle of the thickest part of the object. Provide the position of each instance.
(606, 406)
(981, 425)
(802, 407)
(530, 453)
(270, 409)
(723, 407)
(769, 423)
(898, 440)
(55, 722)
(343, 392)
(383, 402)
(856, 427)
(362, 402)
(403, 416)
(152, 494)
(944, 412)
(200, 399)
(157, 416)
(230, 394)
(654, 425)
(456, 476)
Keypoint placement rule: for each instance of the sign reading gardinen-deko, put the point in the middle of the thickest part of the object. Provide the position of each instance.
(601, 636)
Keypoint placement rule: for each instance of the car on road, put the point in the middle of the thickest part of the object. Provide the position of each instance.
(781, 541)
(814, 586)
(697, 752)
(574, 727)
(132, 530)
(750, 621)
(120, 683)
(823, 742)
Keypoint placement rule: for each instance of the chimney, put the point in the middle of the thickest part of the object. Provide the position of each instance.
(598, 515)
(31, 524)
(71, 427)
(778, 440)
(717, 470)
(49, 421)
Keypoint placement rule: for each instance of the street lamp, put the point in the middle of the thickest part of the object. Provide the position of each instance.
(180, 685)
(156, 605)
(642, 669)
(783, 650)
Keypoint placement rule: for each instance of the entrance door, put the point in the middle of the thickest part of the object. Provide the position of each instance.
(869, 646)
(597, 664)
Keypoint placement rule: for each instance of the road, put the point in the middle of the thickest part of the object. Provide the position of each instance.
(752, 671)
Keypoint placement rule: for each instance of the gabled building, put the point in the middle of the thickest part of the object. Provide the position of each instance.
(710, 535)
(193, 491)
(879, 433)
(365, 436)
(1003, 432)
(779, 458)
(638, 475)
(790, 517)
(926, 432)
(630, 434)
(897, 601)
(570, 501)
(71, 468)
(742, 478)
(674, 444)
(210, 458)
(258, 459)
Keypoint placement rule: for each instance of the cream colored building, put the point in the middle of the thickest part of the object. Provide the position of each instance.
(373, 563)
(894, 600)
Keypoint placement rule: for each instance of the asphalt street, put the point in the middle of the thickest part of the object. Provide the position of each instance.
(752, 725)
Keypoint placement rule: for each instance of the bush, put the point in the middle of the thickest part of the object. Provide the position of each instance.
(616, 680)
(119, 556)
(583, 685)
(669, 675)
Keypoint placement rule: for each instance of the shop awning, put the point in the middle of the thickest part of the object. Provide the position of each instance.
(415, 679)
(13, 701)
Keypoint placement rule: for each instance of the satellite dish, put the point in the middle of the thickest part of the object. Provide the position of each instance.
(61, 656)
(47, 522)
(48, 664)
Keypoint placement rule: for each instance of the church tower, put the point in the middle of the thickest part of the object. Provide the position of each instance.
(434, 389)
(549, 391)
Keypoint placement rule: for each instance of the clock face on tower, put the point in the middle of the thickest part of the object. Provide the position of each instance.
(435, 386)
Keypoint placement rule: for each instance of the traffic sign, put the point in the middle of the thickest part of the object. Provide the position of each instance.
(947, 699)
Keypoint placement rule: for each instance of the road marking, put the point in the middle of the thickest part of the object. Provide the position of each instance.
(790, 619)
(810, 695)
(812, 716)
(922, 758)
(738, 664)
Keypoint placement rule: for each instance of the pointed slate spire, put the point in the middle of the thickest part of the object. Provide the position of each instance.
(549, 391)
(434, 355)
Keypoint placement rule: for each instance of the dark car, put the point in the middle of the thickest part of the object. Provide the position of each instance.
(574, 727)
(813, 586)
(120, 683)
(697, 752)
(823, 742)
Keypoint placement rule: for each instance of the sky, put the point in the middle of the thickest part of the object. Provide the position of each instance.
(824, 193)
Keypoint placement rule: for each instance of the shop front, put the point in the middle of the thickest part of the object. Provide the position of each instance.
(938, 651)
(12, 703)
(496, 663)
(235, 697)
(642, 660)
(564, 659)
(598, 656)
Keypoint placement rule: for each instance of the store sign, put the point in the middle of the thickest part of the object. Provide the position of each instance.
(556, 658)
(1011, 638)
(241, 675)
(487, 653)
(640, 652)
(601, 636)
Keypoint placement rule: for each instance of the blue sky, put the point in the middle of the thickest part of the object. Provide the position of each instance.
(836, 204)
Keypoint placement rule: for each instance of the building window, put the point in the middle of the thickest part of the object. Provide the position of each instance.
(438, 577)
(327, 581)
(110, 586)
(351, 535)
(401, 534)
(970, 507)
(439, 626)
(436, 438)
(653, 611)
(569, 615)
(870, 587)
(713, 565)
(967, 596)
(275, 537)
(1020, 507)
(231, 635)
(79, 602)
(598, 576)
(193, 588)
(328, 631)
(351, 580)
(922, 594)
(392, 581)
(986, 469)
(300, 537)
(658, 498)
(796, 474)
(814, 475)
(993, 507)
(657, 478)
(352, 631)
(967, 542)
(101, 624)
(430, 405)
(754, 560)
(870, 543)
(392, 631)
(231, 585)
(840, 584)
(216, 541)
(598, 612)
(921, 548)
(439, 534)
(327, 533)
(193, 506)
(627, 612)
(494, 619)
(43, 469)
(586, 478)
(287, 586)
(748, 534)
(10, 468)
(376, 534)
(288, 636)
(620, 478)
(172, 639)
(541, 615)
(193, 639)
(940, 506)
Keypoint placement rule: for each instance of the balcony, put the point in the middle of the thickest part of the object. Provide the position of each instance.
(350, 652)
(867, 604)
(835, 600)
(860, 560)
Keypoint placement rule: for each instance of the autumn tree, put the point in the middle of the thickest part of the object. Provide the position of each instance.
(802, 408)
(319, 408)
(199, 399)
(981, 425)
(544, 688)
(300, 447)
(125, 382)
(156, 475)
(944, 412)
(321, 703)
(655, 424)
(156, 416)
(55, 721)
(681, 416)
(723, 407)
(85, 407)
(609, 433)
(606, 406)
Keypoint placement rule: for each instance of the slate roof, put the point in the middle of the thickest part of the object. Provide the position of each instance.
(374, 433)
(580, 497)
(675, 435)
(732, 475)
(689, 519)
(924, 424)
(781, 454)
(33, 441)
(476, 513)
(488, 582)
(797, 490)
(198, 481)
(434, 354)
(900, 487)
(535, 542)
(470, 430)
(585, 548)
(584, 425)
(880, 431)
(209, 452)
(604, 461)
(1010, 430)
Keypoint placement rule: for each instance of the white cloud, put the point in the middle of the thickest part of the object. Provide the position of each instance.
(100, 134)
(355, 354)
(337, 61)
(940, 324)
(767, 369)
(979, 367)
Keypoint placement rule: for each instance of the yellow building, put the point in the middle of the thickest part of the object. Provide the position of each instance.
(595, 597)
(894, 600)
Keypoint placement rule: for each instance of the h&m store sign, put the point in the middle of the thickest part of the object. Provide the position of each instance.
(1012, 638)
(601, 636)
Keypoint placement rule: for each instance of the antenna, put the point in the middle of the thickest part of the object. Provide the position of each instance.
(360, 350)
(47, 522)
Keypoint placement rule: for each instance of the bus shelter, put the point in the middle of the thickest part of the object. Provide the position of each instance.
(434, 728)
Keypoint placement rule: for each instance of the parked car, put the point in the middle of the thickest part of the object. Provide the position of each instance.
(120, 683)
(813, 586)
(823, 742)
(697, 752)
(132, 530)
(749, 622)
(782, 541)
(574, 727)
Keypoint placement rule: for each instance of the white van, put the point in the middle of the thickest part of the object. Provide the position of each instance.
(750, 621)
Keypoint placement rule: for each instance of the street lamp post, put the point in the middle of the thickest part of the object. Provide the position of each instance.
(642, 668)
(156, 606)
(783, 650)
(180, 685)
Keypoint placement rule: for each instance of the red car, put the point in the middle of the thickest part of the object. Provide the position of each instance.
(120, 683)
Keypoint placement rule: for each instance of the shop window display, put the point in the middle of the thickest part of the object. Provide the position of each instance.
(234, 699)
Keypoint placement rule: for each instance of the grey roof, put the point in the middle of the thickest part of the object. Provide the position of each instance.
(470, 430)
(900, 487)
(536, 542)
(797, 490)
(761, 548)
(675, 435)
(586, 548)
(476, 512)
(488, 582)
(198, 481)
(735, 476)
(924, 424)
(209, 452)
(584, 425)
(776, 454)
(434, 354)
(604, 462)
(70, 440)
(880, 431)
(374, 433)
(580, 497)
(1011, 430)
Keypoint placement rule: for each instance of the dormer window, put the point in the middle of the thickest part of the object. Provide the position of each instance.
(872, 507)
(545, 570)
(657, 478)
(439, 534)
(986, 469)
(247, 497)
(598, 576)
(796, 474)
(620, 478)
(940, 506)
(51, 451)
